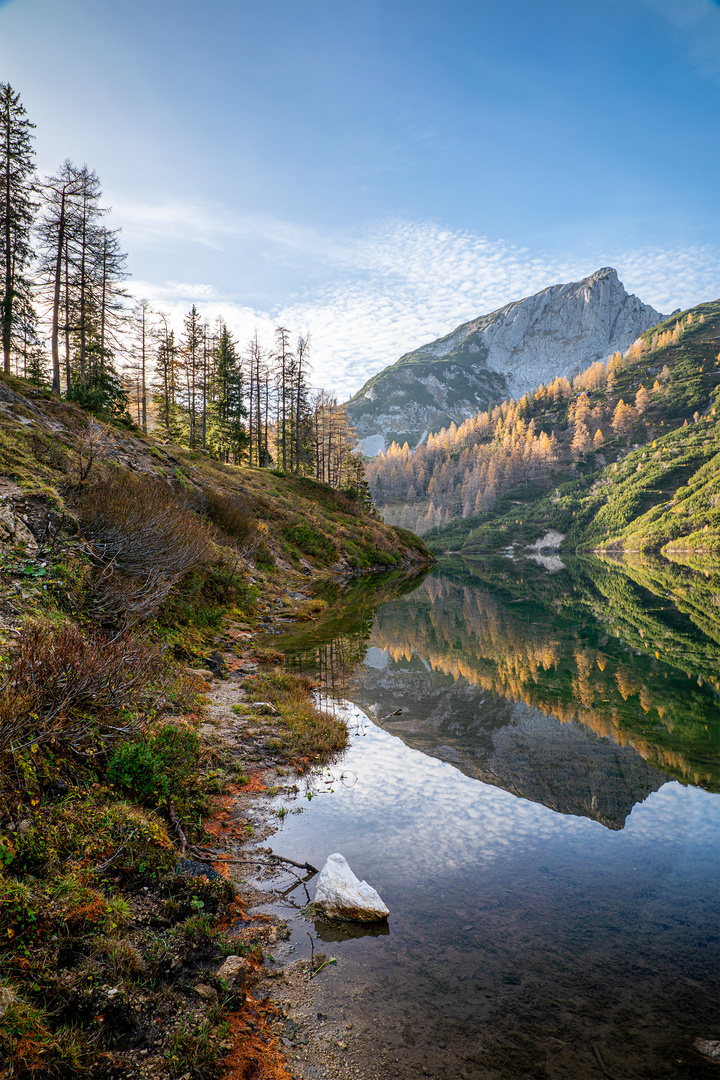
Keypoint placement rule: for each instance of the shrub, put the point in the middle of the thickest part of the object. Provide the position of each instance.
(69, 690)
(144, 542)
(86, 831)
(310, 540)
(152, 769)
(228, 513)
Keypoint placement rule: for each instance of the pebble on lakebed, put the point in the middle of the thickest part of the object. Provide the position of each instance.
(340, 895)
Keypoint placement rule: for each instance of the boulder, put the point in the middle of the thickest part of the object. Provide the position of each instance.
(7, 998)
(13, 529)
(340, 895)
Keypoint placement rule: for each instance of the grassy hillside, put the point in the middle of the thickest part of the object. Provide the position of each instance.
(658, 495)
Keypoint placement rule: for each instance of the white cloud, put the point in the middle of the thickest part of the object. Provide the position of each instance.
(394, 286)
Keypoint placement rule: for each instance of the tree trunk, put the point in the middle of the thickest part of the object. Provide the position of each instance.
(8, 297)
(144, 388)
(56, 299)
(67, 320)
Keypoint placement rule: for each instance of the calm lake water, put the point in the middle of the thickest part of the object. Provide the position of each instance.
(542, 820)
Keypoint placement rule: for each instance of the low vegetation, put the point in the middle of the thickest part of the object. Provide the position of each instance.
(121, 563)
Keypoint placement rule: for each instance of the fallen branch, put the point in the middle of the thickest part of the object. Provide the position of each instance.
(300, 865)
(209, 856)
(104, 865)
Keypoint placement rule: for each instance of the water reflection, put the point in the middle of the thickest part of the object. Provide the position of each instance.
(348, 931)
(553, 889)
(519, 938)
(514, 679)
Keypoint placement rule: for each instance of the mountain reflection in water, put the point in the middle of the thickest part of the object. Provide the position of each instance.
(553, 893)
(509, 677)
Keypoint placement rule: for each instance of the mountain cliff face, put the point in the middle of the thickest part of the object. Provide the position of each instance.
(558, 331)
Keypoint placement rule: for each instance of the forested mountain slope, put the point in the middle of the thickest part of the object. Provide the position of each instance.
(556, 332)
(622, 437)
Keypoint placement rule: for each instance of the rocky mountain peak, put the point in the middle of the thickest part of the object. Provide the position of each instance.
(555, 332)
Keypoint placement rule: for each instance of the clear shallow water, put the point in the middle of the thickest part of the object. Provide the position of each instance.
(560, 921)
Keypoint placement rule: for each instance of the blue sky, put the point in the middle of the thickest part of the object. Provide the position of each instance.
(379, 172)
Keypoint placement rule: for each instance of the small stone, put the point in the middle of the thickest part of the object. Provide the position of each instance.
(232, 967)
(342, 1045)
(709, 1048)
(200, 673)
(207, 993)
(7, 997)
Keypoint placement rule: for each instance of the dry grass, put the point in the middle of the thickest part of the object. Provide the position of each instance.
(308, 733)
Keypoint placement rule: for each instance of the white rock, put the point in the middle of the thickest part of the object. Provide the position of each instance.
(340, 895)
(551, 541)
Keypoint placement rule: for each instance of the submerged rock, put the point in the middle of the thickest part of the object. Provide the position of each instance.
(340, 895)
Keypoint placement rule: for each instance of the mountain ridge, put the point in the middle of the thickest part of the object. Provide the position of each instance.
(504, 353)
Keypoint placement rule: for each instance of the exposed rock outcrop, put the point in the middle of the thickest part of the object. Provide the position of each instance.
(558, 331)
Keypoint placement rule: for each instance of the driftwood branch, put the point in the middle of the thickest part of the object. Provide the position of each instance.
(300, 865)
(208, 855)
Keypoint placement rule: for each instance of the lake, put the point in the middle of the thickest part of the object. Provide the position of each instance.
(532, 787)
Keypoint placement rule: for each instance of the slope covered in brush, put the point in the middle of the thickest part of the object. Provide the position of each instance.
(573, 437)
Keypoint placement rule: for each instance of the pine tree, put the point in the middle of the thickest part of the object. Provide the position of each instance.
(109, 295)
(302, 419)
(283, 359)
(191, 347)
(142, 337)
(167, 378)
(231, 408)
(17, 161)
(642, 400)
(581, 442)
(58, 230)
